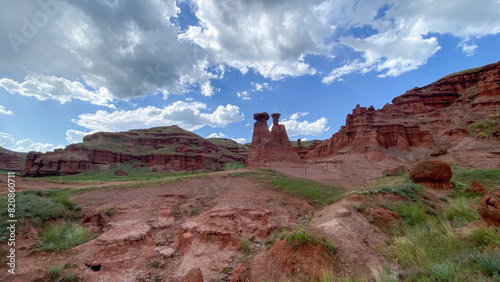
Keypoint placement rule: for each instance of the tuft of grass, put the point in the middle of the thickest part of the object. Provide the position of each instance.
(155, 264)
(194, 210)
(359, 207)
(70, 277)
(61, 236)
(460, 212)
(483, 236)
(226, 270)
(410, 214)
(245, 246)
(55, 271)
(302, 237)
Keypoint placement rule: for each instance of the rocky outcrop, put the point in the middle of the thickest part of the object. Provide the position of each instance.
(489, 208)
(11, 161)
(166, 148)
(302, 149)
(384, 218)
(270, 146)
(434, 174)
(476, 188)
(450, 118)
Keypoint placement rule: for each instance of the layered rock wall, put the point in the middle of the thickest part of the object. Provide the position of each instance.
(167, 148)
(426, 121)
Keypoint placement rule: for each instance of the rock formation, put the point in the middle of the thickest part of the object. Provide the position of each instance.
(434, 174)
(476, 188)
(167, 148)
(270, 146)
(489, 208)
(11, 161)
(454, 118)
(302, 149)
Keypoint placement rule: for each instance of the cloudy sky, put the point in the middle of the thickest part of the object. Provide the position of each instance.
(69, 68)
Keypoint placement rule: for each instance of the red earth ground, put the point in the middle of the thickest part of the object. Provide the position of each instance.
(162, 232)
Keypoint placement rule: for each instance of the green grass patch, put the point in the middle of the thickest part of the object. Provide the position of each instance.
(233, 166)
(302, 237)
(318, 193)
(62, 236)
(488, 177)
(37, 207)
(411, 214)
(486, 128)
(460, 212)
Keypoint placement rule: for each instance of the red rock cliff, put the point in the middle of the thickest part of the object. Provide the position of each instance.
(167, 148)
(446, 118)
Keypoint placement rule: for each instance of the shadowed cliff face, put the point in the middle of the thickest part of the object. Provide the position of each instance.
(270, 146)
(458, 112)
(160, 148)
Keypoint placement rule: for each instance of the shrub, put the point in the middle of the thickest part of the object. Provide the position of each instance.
(62, 236)
(444, 271)
(488, 261)
(155, 264)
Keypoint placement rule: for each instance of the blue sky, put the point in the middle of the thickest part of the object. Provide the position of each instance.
(70, 68)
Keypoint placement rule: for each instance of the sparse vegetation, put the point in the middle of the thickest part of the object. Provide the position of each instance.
(233, 166)
(61, 236)
(459, 212)
(55, 271)
(37, 206)
(245, 246)
(486, 128)
(302, 237)
(155, 264)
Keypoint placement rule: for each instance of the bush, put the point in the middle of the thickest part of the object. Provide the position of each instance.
(444, 271)
(62, 236)
(488, 261)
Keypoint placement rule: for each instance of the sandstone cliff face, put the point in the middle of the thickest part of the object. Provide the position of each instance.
(11, 161)
(270, 146)
(167, 148)
(456, 117)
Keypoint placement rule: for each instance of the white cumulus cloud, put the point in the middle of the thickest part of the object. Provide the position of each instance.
(44, 87)
(217, 135)
(25, 145)
(295, 127)
(188, 115)
(3, 111)
(240, 140)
